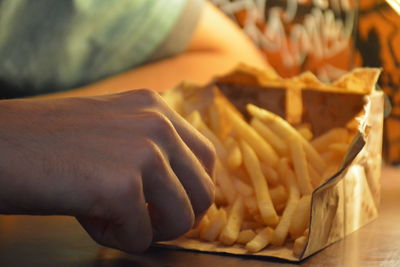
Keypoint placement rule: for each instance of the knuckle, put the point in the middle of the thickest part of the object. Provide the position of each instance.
(152, 154)
(149, 97)
(159, 123)
(208, 156)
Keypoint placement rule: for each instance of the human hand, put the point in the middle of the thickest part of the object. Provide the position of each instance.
(128, 167)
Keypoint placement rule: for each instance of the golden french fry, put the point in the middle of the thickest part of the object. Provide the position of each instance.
(219, 197)
(353, 123)
(212, 211)
(259, 230)
(260, 186)
(227, 187)
(276, 142)
(286, 131)
(335, 135)
(330, 171)
(245, 236)
(251, 225)
(270, 174)
(192, 104)
(234, 159)
(340, 148)
(258, 218)
(214, 227)
(301, 217)
(218, 113)
(174, 99)
(193, 233)
(261, 240)
(282, 229)
(242, 174)
(214, 120)
(278, 195)
(305, 132)
(232, 228)
(299, 245)
(195, 119)
(262, 148)
(251, 205)
(330, 156)
(205, 221)
(300, 166)
(280, 208)
(314, 176)
(244, 189)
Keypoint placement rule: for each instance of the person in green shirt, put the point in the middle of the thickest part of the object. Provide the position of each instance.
(76, 140)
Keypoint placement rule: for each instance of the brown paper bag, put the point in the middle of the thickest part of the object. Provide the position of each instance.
(350, 198)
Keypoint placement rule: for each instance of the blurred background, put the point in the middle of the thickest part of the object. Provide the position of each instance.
(328, 37)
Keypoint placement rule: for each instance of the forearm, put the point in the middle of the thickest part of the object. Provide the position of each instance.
(198, 67)
(34, 179)
(216, 47)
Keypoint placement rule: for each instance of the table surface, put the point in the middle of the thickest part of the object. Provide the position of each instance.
(60, 241)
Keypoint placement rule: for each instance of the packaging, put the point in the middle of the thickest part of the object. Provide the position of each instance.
(350, 198)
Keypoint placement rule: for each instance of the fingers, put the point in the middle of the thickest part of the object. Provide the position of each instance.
(144, 99)
(170, 208)
(198, 144)
(127, 226)
(182, 160)
(192, 175)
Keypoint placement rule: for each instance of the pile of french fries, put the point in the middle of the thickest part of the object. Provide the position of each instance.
(266, 171)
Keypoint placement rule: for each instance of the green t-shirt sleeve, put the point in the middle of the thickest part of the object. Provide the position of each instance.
(180, 35)
(49, 45)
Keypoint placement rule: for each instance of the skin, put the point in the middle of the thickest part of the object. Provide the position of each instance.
(130, 169)
(103, 160)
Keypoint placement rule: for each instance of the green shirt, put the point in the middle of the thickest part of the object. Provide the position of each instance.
(54, 45)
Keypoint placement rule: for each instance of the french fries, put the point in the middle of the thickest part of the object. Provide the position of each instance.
(245, 236)
(261, 240)
(225, 183)
(270, 174)
(259, 144)
(299, 245)
(211, 231)
(301, 217)
(288, 176)
(286, 131)
(300, 166)
(276, 142)
(244, 189)
(265, 173)
(232, 227)
(234, 159)
(278, 195)
(335, 135)
(195, 119)
(305, 131)
(264, 201)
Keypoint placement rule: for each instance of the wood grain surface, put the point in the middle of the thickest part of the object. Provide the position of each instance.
(60, 241)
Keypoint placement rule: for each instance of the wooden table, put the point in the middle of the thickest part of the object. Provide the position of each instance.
(60, 241)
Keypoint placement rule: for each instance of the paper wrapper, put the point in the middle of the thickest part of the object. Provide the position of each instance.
(349, 199)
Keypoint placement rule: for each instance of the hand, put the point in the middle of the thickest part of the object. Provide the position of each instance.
(128, 167)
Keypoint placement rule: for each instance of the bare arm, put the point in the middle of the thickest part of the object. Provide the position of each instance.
(126, 173)
(217, 46)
